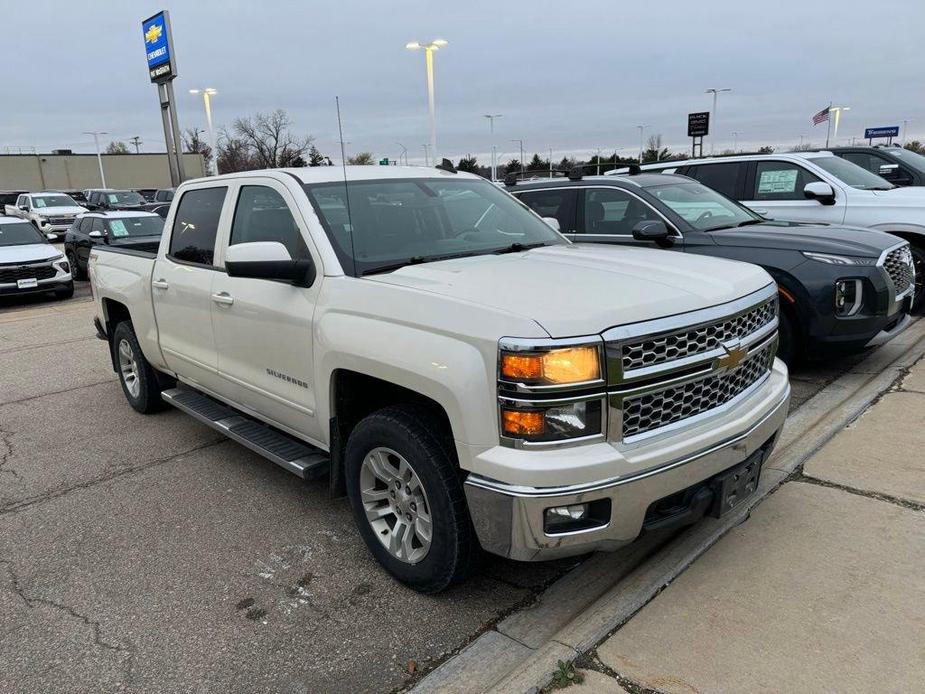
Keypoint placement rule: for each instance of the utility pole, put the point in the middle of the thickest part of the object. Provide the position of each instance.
(550, 162)
(494, 154)
(522, 164)
(137, 142)
(99, 157)
(598, 161)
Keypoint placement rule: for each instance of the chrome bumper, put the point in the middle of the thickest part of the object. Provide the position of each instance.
(509, 520)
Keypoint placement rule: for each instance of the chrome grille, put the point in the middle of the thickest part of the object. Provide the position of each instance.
(645, 413)
(695, 340)
(58, 221)
(898, 265)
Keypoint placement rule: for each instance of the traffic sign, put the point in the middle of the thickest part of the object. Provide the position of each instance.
(159, 47)
(384, 161)
(888, 131)
(698, 124)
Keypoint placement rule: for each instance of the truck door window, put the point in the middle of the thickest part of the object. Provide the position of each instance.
(558, 203)
(723, 178)
(614, 211)
(781, 180)
(192, 239)
(261, 214)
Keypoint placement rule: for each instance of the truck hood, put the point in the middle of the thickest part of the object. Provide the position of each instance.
(819, 238)
(908, 196)
(28, 253)
(585, 289)
(59, 211)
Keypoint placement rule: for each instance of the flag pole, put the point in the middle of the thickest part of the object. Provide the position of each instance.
(828, 125)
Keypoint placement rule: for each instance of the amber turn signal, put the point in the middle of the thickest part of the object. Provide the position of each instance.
(523, 422)
(557, 366)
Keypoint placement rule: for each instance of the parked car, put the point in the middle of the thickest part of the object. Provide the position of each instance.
(161, 199)
(133, 230)
(9, 197)
(899, 166)
(449, 361)
(817, 187)
(106, 199)
(841, 289)
(146, 193)
(29, 263)
(51, 213)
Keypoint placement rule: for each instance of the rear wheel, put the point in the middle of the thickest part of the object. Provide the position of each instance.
(407, 499)
(139, 380)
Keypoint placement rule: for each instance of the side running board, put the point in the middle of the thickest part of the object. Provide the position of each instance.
(298, 457)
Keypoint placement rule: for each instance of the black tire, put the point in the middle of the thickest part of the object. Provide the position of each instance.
(918, 262)
(788, 346)
(411, 433)
(147, 399)
(76, 272)
(65, 292)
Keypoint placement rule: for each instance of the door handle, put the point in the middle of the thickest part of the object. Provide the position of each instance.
(223, 298)
(160, 284)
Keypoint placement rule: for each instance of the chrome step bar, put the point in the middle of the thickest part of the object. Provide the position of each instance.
(294, 455)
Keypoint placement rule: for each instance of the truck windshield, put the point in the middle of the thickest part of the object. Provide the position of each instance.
(703, 208)
(851, 174)
(912, 159)
(19, 234)
(40, 201)
(396, 222)
(125, 197)
(136, 226)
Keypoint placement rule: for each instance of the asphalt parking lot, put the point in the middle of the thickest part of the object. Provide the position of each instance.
(150, 554)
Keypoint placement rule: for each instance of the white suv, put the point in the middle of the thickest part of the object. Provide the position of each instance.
(816, 187)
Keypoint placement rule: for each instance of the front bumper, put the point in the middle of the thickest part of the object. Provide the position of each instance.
(509, 519)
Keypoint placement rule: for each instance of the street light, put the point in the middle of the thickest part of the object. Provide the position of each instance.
(714, 92)
(426, 160)
(207, 95)
(404, 153)
(99, 158)
(642, 129)
(429, 49)
(735, 140)
(522, 166)
(491, 129)
(906, 121)
(837, 110)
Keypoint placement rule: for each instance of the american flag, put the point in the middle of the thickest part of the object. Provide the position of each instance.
(821, 117)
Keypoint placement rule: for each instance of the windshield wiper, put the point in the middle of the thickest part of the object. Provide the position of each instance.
(734, 226)
(749, 222)
(518, 247)
(413, 260)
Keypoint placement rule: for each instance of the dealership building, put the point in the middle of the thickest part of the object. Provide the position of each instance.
(63, 170)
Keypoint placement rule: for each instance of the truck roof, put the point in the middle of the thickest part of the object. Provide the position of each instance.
(334, 174)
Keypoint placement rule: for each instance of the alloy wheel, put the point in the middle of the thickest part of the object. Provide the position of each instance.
(128, 368)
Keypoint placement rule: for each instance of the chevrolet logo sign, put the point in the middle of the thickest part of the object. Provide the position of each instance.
(153, 33)
(732, 359)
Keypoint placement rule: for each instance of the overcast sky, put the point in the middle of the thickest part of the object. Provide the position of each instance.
(573, 76)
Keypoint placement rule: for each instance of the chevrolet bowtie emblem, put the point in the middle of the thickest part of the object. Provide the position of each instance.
(732, 359)
(153, 33)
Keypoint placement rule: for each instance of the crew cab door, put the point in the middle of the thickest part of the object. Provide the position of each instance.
(181, 286)
(775, 190)
(263, 327)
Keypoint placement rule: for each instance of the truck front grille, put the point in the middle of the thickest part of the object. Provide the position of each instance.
(61, 221)
(694, 340)
(898, 265)
(12, 273)
(672, 404)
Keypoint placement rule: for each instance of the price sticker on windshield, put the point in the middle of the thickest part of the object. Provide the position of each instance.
(117, 227)
(771, 182)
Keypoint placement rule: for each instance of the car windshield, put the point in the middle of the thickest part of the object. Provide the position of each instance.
(125, 197)
(58, 200)
(851, 174)
(908, 157)
(135, 226)
(391, 223)
(701, 207)
(19, 234)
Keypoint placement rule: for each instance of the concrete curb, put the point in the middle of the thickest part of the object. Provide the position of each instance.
(580, 609)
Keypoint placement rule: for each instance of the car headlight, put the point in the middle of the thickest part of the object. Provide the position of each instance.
(562, 366)
(556, 422)
(830, 259)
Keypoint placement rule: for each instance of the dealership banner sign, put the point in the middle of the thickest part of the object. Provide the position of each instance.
(159, 47)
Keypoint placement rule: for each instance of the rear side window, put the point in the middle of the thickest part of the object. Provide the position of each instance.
(613, 211)
(723, 178)
(192, 239)
(781, 180)
(262, 215)
(559, 204)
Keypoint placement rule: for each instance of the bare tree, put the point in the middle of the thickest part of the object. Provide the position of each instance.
(268, 138)
(117, 148)
(192, 142)
(361, 159)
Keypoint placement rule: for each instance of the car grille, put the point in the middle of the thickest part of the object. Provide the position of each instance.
(898, 265)
(657, 409)
(12, 273)
(58, 221)
(659, 349)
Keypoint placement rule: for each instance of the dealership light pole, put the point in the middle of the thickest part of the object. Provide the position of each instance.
(429, 49)
(735, 140)
(491, 129)
(906, 121)
(837, 110)
(207, 95)
(522, 165)
(714, 92)
(642, 129)
(99, 157)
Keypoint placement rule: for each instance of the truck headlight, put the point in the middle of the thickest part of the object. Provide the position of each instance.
(848, 295)
(830, 259)
(556, 422)
(559, 366)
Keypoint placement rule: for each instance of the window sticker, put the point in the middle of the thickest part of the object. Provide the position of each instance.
(38, 202)
(772, 182)
(113, 198)
(117, 227)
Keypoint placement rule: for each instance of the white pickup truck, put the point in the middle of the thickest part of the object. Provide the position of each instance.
(465, 374)
(51, 213)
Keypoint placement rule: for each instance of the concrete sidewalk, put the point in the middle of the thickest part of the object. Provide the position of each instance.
(822, 589)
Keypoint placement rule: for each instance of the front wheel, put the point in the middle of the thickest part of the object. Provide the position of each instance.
(65, 292)
(407, 499)
(788, 337)
(918, 263)
(139, 380)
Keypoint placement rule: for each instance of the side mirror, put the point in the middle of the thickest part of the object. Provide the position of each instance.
(24, 208)
(820, 192)
(51, 237)
(268, 260)
(552, 222)
(95, 234)
(653, 230)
